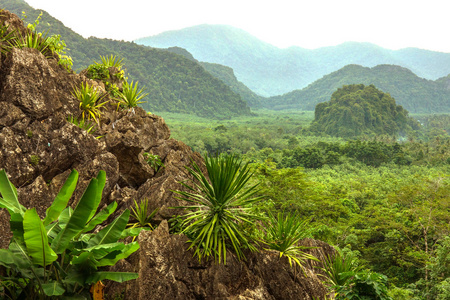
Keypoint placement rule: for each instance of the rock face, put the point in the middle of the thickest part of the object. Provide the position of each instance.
(39, 148)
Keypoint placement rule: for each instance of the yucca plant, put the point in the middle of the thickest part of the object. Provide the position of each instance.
(340, 268)
(283, 232)
(221, 203)
(33, 40)
(90, 101)
(86, 125)
(141, 214)
(130, 96)
(111, 61)
(7, 38)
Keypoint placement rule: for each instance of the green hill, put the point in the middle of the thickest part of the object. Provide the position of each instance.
(270, 71)
(225, 74)
(174, 83)
(415, 94)
(356, 110)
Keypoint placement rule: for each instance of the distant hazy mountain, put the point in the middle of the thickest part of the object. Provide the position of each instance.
(416, 94)
(270, 71)
(174, 83)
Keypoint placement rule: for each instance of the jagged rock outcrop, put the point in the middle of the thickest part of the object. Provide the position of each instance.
(39, 148)
(167, 271)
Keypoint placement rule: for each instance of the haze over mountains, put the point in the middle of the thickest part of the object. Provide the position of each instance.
(226, 70)
(270, 71)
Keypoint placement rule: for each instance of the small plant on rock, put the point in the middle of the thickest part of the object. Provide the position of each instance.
(90, 101)
(141, 215)
(154, 161)
(35, 159)
(130, 96)
(86, 125)
(283, 232)
(221, 203)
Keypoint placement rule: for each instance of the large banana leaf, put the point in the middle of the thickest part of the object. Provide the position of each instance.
(112, 232)
(78, 219)
(101, 179)
(16, 225)
(36, 239)
(9, 194)
(101, 216)
(114, 276)
(62, 198)
(126, 251)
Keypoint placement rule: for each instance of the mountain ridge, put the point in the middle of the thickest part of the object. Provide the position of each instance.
(417, 95)
(269, 70)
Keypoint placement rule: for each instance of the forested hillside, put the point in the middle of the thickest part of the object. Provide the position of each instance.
(269, 71)
(173, 82)
(356, 110)
(415, 94)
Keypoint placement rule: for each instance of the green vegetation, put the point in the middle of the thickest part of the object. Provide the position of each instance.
(90, 101)
(283, 232)
(221, 207)
(154, 161)
(356, 110)
(59, 255)
(415, 94)
(141, 215)
(130, 96)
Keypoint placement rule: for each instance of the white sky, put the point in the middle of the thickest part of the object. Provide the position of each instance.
(392, 24)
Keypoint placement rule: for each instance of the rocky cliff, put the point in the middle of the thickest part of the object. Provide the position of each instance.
(39, 148)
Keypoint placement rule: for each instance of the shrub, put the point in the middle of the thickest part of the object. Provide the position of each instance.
(154, 161)
(220, 205)
(59, 255)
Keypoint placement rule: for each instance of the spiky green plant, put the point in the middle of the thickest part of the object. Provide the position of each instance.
(86, 125)
(141, 214)
(340, 268)
(7, 37)
(130, 96)
(90, 101)
(33, 40)
(283, 232)
(111, 61)
(221, 203)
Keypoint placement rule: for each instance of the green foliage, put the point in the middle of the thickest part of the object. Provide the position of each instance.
(356, 110)
(220, 206)
(7, 37)
(141, 214)
(348, 280)
(283, 232)
(90, 101)
(408, 89)
(154, 161)
(86, 125)
(57, 255)
(112, 61)
(130, 96)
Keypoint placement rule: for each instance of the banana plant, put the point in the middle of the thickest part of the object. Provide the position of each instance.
(59, 255)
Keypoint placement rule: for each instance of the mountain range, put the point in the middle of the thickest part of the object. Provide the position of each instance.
(196, 82)
(417, 95)
(269, 71)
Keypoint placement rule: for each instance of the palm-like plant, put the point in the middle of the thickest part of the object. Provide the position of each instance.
(130, 96)
(340, 268)
(220, 206)
(111, 61)
(89, 101)
(283, 233)
(141, 215)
